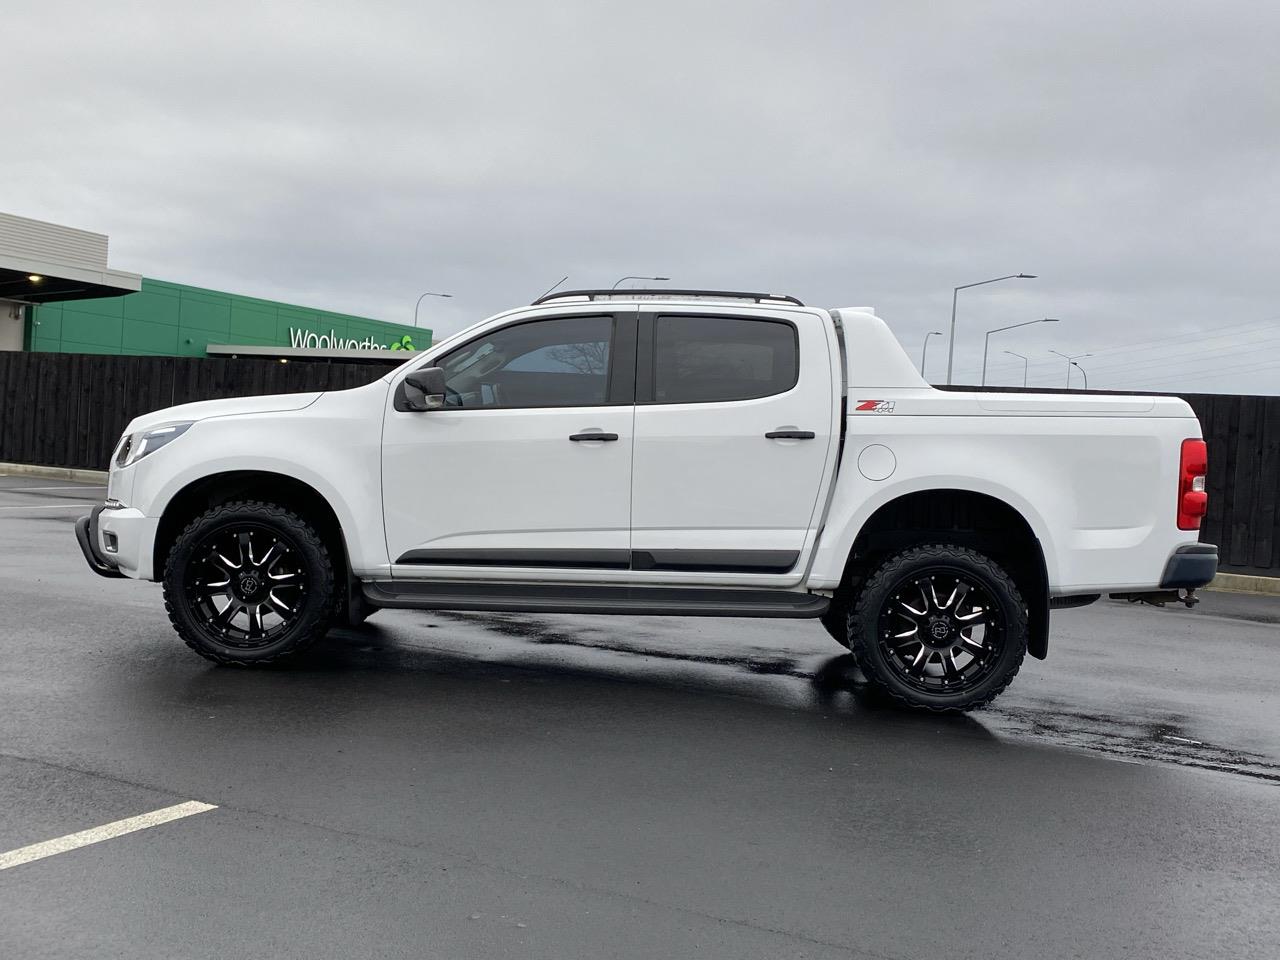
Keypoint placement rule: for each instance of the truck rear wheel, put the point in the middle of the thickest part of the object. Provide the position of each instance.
(247, 583)
(939, 627)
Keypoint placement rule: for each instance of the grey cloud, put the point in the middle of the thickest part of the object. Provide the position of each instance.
(352, 155)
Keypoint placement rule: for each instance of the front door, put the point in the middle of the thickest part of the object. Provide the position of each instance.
(526, 472)
(735, 439)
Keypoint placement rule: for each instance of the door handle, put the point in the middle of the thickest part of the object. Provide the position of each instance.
(789, 435)
(578, 437)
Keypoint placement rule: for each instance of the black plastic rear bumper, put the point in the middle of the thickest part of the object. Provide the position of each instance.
(87, 537)
(1192, 565)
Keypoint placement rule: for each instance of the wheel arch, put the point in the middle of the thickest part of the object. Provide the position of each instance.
(218, 488)
(966, 517)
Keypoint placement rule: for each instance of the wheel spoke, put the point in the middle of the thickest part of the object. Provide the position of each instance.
(223, 620)
(274, 553)
(949, 670)
(976, 616)
(279, 606)
(958, 593)
(912, 610)
(245, 543)
(255, 622)
(226, 566)
(975, 647)
(919, 660)
(933, 596)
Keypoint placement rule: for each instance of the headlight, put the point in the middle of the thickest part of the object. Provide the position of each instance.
(134, 446)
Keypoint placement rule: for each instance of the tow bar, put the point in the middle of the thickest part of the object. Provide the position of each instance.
(1158, 598)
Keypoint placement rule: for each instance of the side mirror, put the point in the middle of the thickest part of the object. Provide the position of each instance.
(424, 389)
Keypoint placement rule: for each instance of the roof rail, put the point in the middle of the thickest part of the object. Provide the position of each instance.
(667, 293)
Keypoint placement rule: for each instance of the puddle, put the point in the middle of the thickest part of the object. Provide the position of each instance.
(1167, 739)
(1139, 741)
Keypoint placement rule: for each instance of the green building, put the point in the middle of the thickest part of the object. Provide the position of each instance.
(168, 319)
(57, 295)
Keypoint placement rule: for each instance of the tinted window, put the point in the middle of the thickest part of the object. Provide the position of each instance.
(546, 363)
(701, 359)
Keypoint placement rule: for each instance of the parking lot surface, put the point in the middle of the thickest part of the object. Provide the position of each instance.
(510, 786)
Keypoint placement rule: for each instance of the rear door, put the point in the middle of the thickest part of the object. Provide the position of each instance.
(735, 439)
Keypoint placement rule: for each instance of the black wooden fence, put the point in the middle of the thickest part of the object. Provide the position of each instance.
(68, 410)
(1243, 434)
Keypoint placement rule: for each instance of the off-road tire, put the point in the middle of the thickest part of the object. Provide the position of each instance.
(865, 625)
(314, 609)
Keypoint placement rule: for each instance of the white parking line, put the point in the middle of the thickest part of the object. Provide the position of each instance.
(108, 831)
(52, 506)
(83, 486)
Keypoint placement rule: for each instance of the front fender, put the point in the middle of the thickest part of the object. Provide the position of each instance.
(335, 448)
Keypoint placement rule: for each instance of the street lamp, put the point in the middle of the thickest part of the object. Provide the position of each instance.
(615, 286)
(1071, 362)
(951, 349)
(924, 352)
(1011, 326)
(419, 303)
(1082, 373)
(1025, 364)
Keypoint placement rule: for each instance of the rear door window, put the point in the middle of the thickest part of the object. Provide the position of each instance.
(709, 359)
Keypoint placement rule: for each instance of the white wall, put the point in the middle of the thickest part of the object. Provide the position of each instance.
(11, 324)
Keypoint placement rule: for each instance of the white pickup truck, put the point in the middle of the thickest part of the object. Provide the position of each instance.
(688, 453)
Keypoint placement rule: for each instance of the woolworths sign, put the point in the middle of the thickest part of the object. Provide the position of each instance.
(310, 340)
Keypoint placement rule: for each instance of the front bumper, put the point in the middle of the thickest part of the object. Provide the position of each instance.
(117, 541)
(1192, 565)
(87, 537)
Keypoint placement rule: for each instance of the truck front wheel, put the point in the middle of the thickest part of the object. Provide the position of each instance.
(939, 627)
(247, 583)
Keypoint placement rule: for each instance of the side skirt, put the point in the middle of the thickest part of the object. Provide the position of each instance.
(589, 598)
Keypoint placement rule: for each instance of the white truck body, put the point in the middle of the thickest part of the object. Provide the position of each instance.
(690, 494)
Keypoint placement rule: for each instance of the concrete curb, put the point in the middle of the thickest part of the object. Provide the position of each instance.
(53, 473)
(1240, 583)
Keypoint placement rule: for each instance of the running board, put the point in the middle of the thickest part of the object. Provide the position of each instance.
(599, 598)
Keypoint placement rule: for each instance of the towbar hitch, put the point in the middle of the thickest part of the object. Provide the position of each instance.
(1158, 598)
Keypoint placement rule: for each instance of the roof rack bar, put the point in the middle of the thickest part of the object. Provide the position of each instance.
(623, 294)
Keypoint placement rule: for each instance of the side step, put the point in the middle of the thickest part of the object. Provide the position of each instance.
(589, 598)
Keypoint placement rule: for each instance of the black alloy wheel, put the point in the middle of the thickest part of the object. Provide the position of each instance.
(941, 630)
(248, 583)
(939, 627)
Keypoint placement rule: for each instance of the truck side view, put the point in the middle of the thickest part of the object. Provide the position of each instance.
(690, 453)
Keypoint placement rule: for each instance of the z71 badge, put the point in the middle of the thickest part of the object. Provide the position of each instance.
(874, 406)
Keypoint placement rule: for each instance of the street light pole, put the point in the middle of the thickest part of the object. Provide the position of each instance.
(1082, 373)
(419, 303)
(1013, 326)
(1071, 361)
(615, 286)
(924, 352)
(1025, 364)
(951, 348)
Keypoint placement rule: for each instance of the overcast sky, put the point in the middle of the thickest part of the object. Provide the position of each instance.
(352, 155)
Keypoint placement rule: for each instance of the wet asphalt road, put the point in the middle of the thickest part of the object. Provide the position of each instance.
(505, 786)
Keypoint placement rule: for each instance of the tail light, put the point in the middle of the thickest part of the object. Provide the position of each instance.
(1193, 501)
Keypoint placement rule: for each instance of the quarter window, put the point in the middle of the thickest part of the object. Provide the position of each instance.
(706, 359)
(545, 363)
